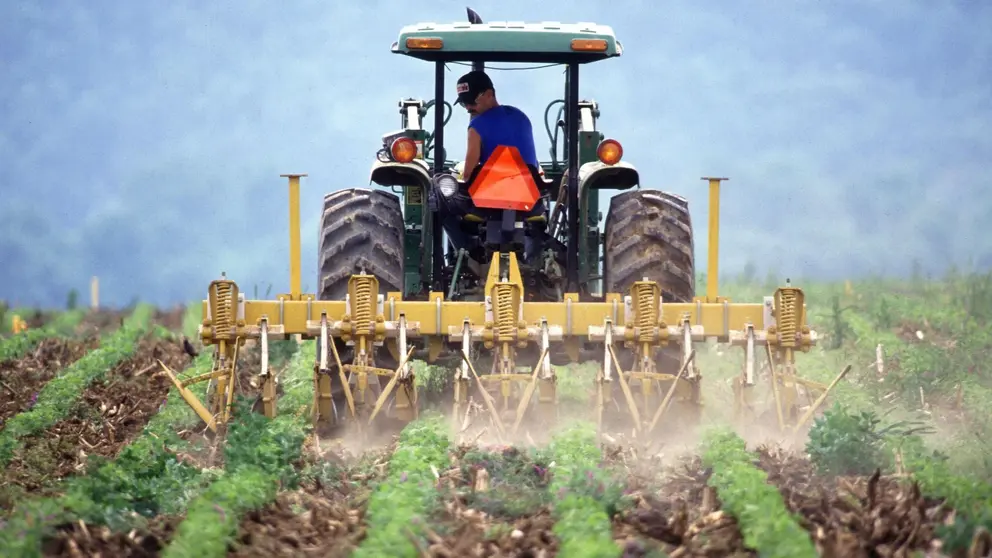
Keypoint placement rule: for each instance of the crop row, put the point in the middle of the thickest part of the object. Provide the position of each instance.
(61, 394)
(20, 344)
(580, 486)
(259, 458)
(148, 478)
(583, 495)
(766, 524)
(142, 481)
(409, 491)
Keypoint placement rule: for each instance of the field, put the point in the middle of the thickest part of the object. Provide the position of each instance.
(101, 457)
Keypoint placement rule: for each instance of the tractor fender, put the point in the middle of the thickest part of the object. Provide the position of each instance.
(392, 173)
(596, 175)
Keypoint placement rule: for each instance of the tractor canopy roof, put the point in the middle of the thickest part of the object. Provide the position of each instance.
(546, 42)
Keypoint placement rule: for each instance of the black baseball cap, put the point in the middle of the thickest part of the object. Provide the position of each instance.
(471, 85)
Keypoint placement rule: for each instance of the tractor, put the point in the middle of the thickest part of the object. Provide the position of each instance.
(397, 236)
(537, 286)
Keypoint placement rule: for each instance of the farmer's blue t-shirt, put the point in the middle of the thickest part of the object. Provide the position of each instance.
(505, 125)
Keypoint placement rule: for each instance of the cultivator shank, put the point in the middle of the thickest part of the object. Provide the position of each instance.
(227, 331)
(644, 330)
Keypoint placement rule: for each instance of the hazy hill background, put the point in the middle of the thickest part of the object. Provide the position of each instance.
(143, 141)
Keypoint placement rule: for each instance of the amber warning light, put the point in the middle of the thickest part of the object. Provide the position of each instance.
(403, 150)
(431, 43)
(589, 45)
(609, 151)
(505, 182)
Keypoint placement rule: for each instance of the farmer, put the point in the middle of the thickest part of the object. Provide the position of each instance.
(491, 123)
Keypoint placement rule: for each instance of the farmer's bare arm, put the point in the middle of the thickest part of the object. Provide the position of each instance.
(473, 152)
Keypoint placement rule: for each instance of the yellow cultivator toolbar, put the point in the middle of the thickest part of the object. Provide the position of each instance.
(628, 331)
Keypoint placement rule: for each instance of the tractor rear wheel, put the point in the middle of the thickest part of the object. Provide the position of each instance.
(360, 229)
(649, 234)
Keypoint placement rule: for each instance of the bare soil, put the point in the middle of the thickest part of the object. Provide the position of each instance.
(492, 507)
(171, 319)
(79, 539)
(674, 511)
(101, 321)
(112, 412)
(21, 379)
(319, 520)
(856, 516)
(324, 517)
(677, 513)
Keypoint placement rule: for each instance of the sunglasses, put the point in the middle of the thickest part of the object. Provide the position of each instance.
(473, 102)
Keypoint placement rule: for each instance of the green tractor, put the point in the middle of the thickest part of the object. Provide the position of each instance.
(394, 233)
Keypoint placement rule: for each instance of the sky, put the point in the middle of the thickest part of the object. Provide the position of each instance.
(142, 142)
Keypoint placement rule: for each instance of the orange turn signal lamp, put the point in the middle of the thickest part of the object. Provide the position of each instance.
(403, 150)
(424, 43)
(609, 151)
(589, 45)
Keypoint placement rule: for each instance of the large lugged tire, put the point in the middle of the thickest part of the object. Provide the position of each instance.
(360, 229)
(649, 234)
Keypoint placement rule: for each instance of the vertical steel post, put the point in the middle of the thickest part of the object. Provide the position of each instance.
(437, 231)
(94, 293)
(295, 288)
(713, 259)
(574, 221)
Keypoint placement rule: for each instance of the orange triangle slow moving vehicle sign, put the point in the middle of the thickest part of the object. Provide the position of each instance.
(505, 182)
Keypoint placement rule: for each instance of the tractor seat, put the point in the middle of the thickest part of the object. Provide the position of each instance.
(535, 215)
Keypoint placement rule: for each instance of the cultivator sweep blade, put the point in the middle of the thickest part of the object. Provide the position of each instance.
(629, 330)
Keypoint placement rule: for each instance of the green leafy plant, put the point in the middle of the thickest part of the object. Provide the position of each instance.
(255, 441)
(839, 326)
(842, 443)
(846, 443)
(743, 488)
(884, 315)
(583, 504)
(409, 492)
(281, 351)
(144, 479)
(260, 457)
